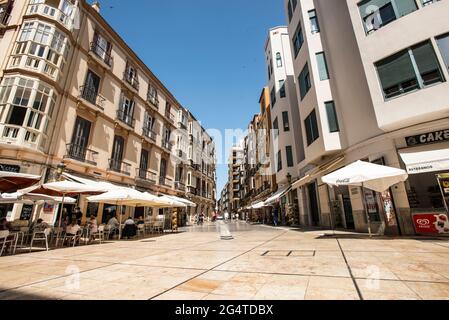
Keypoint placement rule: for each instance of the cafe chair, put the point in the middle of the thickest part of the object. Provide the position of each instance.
(41, 236)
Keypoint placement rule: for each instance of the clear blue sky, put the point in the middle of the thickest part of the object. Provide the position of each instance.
(208, 53)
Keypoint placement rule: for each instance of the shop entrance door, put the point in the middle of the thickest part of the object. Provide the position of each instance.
(347, 207)
(313, 201)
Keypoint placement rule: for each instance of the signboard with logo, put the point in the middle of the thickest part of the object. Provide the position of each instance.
(9, 168)
(431, 223)
(428, 138)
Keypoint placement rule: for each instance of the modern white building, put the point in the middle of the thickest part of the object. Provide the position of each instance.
(287, 150)
(372, 85)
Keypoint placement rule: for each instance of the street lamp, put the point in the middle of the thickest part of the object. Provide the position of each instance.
(60, 169)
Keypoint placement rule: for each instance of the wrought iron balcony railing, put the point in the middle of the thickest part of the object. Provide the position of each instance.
(146, 175)
(149, 133)
(81, 153)
(126, 118)
(120, 166)
(131, 79)
(101, 53)
(90, 94)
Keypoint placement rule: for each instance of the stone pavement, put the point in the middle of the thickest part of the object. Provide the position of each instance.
(259, 263)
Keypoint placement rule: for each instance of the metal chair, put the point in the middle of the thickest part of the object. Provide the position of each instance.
(141, 230)
(4, 240)
(99, 235)
(41, 236)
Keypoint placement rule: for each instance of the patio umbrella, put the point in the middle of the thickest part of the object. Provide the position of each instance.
(188, 203)
(128, 197)
(11, 181)
(366, 175)
(63, 189)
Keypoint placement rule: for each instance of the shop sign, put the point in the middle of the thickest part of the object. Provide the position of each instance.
(9, 168)
(431, 223)
(428, 138)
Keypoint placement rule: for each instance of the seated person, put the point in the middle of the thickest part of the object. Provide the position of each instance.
(113, 225)
(93, 226)
(5, 225)
(73, 228)
(39, 226)
(140, 221)
(130, 229)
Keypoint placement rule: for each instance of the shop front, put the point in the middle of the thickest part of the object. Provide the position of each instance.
(427, 163)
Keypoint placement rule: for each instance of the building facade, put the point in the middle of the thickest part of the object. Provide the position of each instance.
(372, 85)
(73, 93)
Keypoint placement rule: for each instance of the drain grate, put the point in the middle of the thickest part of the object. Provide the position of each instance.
(289, 253)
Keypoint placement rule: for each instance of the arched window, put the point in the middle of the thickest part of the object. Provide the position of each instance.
(278, 60)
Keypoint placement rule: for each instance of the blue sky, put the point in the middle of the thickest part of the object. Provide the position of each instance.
(208, 53)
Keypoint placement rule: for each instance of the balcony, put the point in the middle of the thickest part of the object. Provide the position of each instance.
(52, 13)
(120, 166)
(165, 182)
(131, 80)
(146, 176)
(181, 125)
(191, 190)
(150, 134)
(153, 101)
(180, 186)
(90, 95)
(4, 19)
(170, 117)
(81, 154)
(102, 55)
(126, 118)
(167, 146)
(179, 153)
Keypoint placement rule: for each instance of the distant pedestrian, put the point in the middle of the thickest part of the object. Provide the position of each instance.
(275, 217)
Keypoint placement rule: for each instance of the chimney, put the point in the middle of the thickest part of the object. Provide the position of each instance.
(96, 6)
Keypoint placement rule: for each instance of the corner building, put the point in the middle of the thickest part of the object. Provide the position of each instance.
(72, 92)
(372, 85)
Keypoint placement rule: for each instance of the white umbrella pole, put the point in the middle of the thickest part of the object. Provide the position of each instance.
(365, 205)
(62, 210)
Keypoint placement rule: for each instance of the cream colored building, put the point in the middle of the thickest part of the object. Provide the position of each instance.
(73, 92)
(372, 85)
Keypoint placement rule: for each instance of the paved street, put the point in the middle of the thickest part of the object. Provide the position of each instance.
(260, 263)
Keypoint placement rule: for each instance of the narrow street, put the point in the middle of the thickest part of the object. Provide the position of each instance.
(259, 263)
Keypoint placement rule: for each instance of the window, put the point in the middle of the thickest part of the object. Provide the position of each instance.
(26, 31)
(269, 73)
(304, 81)
(276, 127)
(290, 11)
(295, 3)
(322, 66)
(102, 48)
(278, 60)
(409, 70)
(152, 95)
(378, 13)
(282, 88)
(289, 151)
(42, 35)
(126, 110)
(314, 22)
(143, 163)
(332, 117)
(443, 44)
(286, 121)
(298, 39)
(80, 139)
(117, 153)
(273, 97)
(279, 161)
(311, 128)
(91, 87)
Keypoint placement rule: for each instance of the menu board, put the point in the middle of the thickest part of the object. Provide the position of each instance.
(443, 180)
(27, 212)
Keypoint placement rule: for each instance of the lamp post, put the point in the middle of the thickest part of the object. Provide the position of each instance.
(289, 208)
(60, 170)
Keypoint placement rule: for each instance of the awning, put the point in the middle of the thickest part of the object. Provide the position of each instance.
(425, 161)
(320, 170)
(91, 182)
(258, 205)
(11, 181)
(276, 196)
